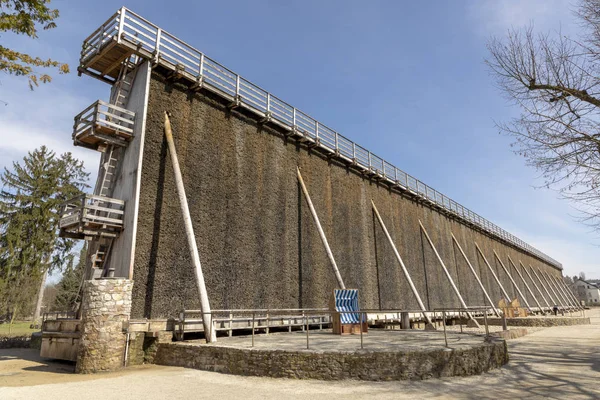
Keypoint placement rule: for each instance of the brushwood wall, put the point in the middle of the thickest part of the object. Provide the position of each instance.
(258, 243)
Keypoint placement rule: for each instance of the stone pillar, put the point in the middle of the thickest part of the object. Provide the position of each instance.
(106, 305)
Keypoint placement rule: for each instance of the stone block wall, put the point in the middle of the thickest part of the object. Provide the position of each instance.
(538, 322)
(106, 305)
(360, 365)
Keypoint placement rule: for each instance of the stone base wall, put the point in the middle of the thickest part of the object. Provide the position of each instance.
(510, 334)
(12, 342)
(362, 365)
(543, 322)
(106, 305)
(143, 346)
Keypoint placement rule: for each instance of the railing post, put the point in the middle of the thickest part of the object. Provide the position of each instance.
(267, 329)
(336, 142)
(121, 23)
(362, 315)
(294, 118)
(307, 329)
(317, 130)
(485, 321)
(237, 86)
(157, 46)
(201, 67)
(101, 39)
(268, 103)
(253, 329)
(444, 324)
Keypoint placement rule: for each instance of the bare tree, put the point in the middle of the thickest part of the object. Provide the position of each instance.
(555, 80)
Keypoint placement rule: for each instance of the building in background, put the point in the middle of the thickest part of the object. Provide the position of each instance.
(587, 291)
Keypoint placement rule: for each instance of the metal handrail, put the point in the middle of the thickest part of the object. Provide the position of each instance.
(272, 313)
(151, 42)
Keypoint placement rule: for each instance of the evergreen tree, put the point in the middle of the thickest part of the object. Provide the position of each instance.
(68, 293)
(29, 205)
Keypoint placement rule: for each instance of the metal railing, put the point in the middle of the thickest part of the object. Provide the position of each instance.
(105, 117)
(151, 42)
(256, 315)
(86, 212)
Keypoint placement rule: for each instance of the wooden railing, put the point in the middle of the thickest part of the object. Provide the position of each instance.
(92, 215)
(102, 117)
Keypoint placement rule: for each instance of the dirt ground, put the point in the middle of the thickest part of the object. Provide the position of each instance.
(553, 363)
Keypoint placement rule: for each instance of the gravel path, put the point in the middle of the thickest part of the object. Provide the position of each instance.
(551, 363)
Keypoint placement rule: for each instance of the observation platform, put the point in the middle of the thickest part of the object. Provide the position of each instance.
(385, 355)
(88, 216)
(103, 124)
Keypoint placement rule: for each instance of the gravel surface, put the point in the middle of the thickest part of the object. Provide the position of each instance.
(551, 363)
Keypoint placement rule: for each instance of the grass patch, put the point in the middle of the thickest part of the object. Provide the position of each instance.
(19, 328)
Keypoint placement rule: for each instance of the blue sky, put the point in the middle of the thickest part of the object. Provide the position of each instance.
(407, 80)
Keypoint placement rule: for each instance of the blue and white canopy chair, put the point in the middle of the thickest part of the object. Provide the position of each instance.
(347, 319)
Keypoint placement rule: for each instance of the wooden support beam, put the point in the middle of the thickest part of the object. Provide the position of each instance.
(506, 296)
(447, 273)
(336, 271)
(556, 298)
(404, 269)
(526, 285)
(513, 281)
(559, 296)
(562, 291)
(570, 293)
(535, 284)
(554, 302)
(209, 331)
(476, 277)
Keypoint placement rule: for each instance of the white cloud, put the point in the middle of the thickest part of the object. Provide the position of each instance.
(42, 117)
(495, 17)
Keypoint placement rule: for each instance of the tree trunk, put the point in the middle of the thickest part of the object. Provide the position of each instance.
(40, 298)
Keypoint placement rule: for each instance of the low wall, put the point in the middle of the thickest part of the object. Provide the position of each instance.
(510, 334)
(361, 365)
(12, 342)
(543, 322)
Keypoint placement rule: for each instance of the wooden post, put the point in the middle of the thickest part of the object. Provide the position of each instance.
(570, 293)
(404, 269)
(544, 286)
(209, 332)
(536, 286)
(556, 297)
(476, 277)
(506, 296)
(321, 232)
(512, 280)
(526, 285)
(456, 291)
(560, 284)
(566, 301)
